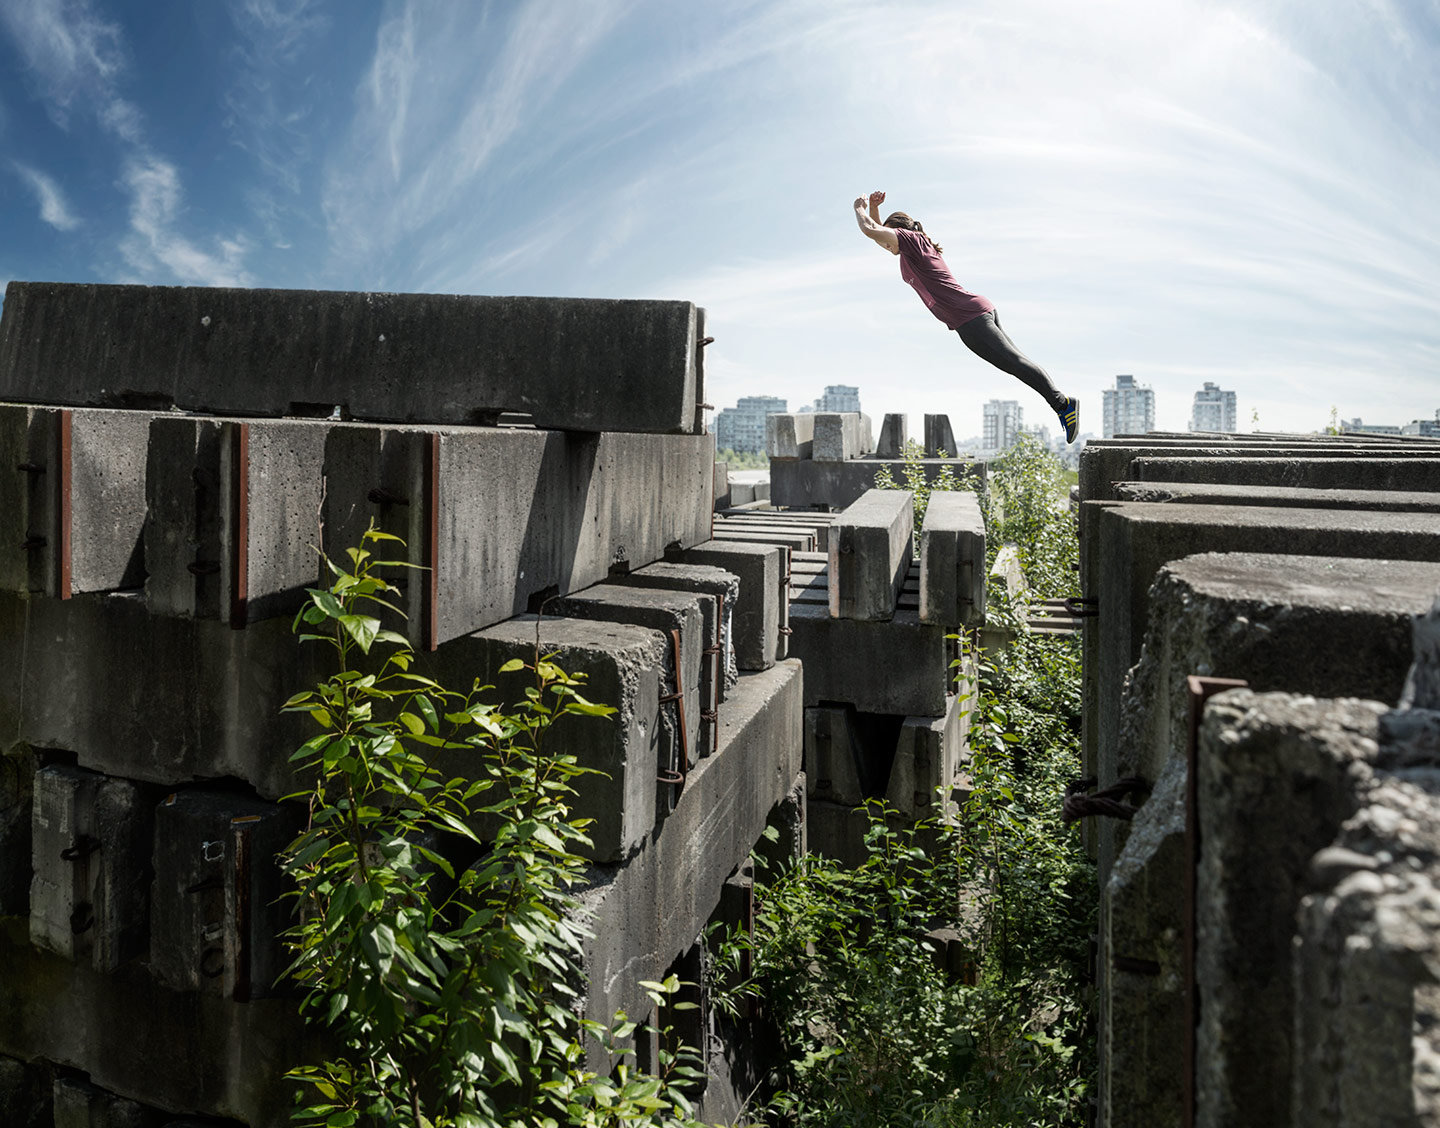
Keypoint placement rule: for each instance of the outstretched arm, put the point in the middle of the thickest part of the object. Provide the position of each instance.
(871, 227)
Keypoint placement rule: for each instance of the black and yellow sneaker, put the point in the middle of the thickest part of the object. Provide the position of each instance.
(1069, 414)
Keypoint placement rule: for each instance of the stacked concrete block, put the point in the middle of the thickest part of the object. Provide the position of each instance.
(143, 755)
(871, 735)
(841, 435)
(67, 470)
(790, 435)
(893, 437)
(952, 560)
(1274, 888)
(939, 438)
(870, 552)
(762, 606)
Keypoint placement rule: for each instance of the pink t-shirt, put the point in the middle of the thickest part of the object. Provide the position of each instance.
(927, 272)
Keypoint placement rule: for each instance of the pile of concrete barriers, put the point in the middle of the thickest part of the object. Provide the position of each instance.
(827, 460)
(1262, 669)
(170, 461)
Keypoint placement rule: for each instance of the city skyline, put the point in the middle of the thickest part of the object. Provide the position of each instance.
(1242, 194)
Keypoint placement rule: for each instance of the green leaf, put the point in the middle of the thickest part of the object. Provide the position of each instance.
(361, 628)
(511, 666)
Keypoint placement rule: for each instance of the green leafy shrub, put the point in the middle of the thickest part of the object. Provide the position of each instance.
(921, 486)
(870, 1030)
(444, 968)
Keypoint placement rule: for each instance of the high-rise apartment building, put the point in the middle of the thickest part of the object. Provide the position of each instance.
(742, 428)
(1003, 420)
(1129, 408)
(1214, 410)
(839, 397)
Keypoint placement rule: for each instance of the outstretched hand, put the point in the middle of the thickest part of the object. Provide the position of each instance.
(876, 199)
(859, 203)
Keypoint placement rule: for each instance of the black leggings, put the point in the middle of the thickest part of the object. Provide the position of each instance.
(984, 337)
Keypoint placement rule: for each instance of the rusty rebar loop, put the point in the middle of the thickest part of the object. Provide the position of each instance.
(1105, 803)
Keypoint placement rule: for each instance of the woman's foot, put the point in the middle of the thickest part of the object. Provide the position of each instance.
(1069, 413)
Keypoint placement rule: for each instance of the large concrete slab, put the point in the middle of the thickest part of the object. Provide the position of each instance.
(871, 545)
(900, 667)
(535, 513)
(1264, 493)
(570, 363)
(928, 756)
(1104, 463)
(71, 511)
(1388, 470)
(645, 913)
(789, 434)
(952, 560)
(762, 607)
(1126, 544)
(806, 484)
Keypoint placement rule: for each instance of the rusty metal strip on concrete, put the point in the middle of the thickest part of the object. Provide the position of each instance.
(432, 540)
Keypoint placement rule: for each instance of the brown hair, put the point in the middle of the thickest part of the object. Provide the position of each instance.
(900, 219)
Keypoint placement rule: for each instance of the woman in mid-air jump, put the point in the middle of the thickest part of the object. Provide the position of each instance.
(970, 315)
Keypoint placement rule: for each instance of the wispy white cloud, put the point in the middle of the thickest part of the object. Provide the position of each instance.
(54, 209)
(155, 244)
(71, 53)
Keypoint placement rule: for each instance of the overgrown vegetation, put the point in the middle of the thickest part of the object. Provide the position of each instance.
(845, 961)
(444, 967)
(916, 478)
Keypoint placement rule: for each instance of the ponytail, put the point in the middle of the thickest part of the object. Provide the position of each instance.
(901, 220)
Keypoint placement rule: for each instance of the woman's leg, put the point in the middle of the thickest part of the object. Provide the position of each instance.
(984, 337)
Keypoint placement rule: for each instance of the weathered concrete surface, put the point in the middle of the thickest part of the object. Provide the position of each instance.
(17, 789)
(706, 580)
(1366, 1048)
(1141, 1001)
(939, 438)
(841, 435)
(900, 667)
(928, 756)
(1385, 471)
(623, 666)
(804, 484)
(534, 512)
(1281, 462)
(667, 612)
(789, 434)
(952, 560)
(837, 768)
(1187, 493)
(720, 486)
(1322, 625)
(871, 544)
(221, 1058)
(570, 363)
(25, 1093)
(1125, 544)
(762, 607)
(90, 864)
(216, 907)
(153, 697)
(893, 436)
(202, 557)
(787, 820)
(665, 894)
(106, 476)
(1278, 775)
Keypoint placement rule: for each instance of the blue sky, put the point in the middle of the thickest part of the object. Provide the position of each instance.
(1185, 190)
